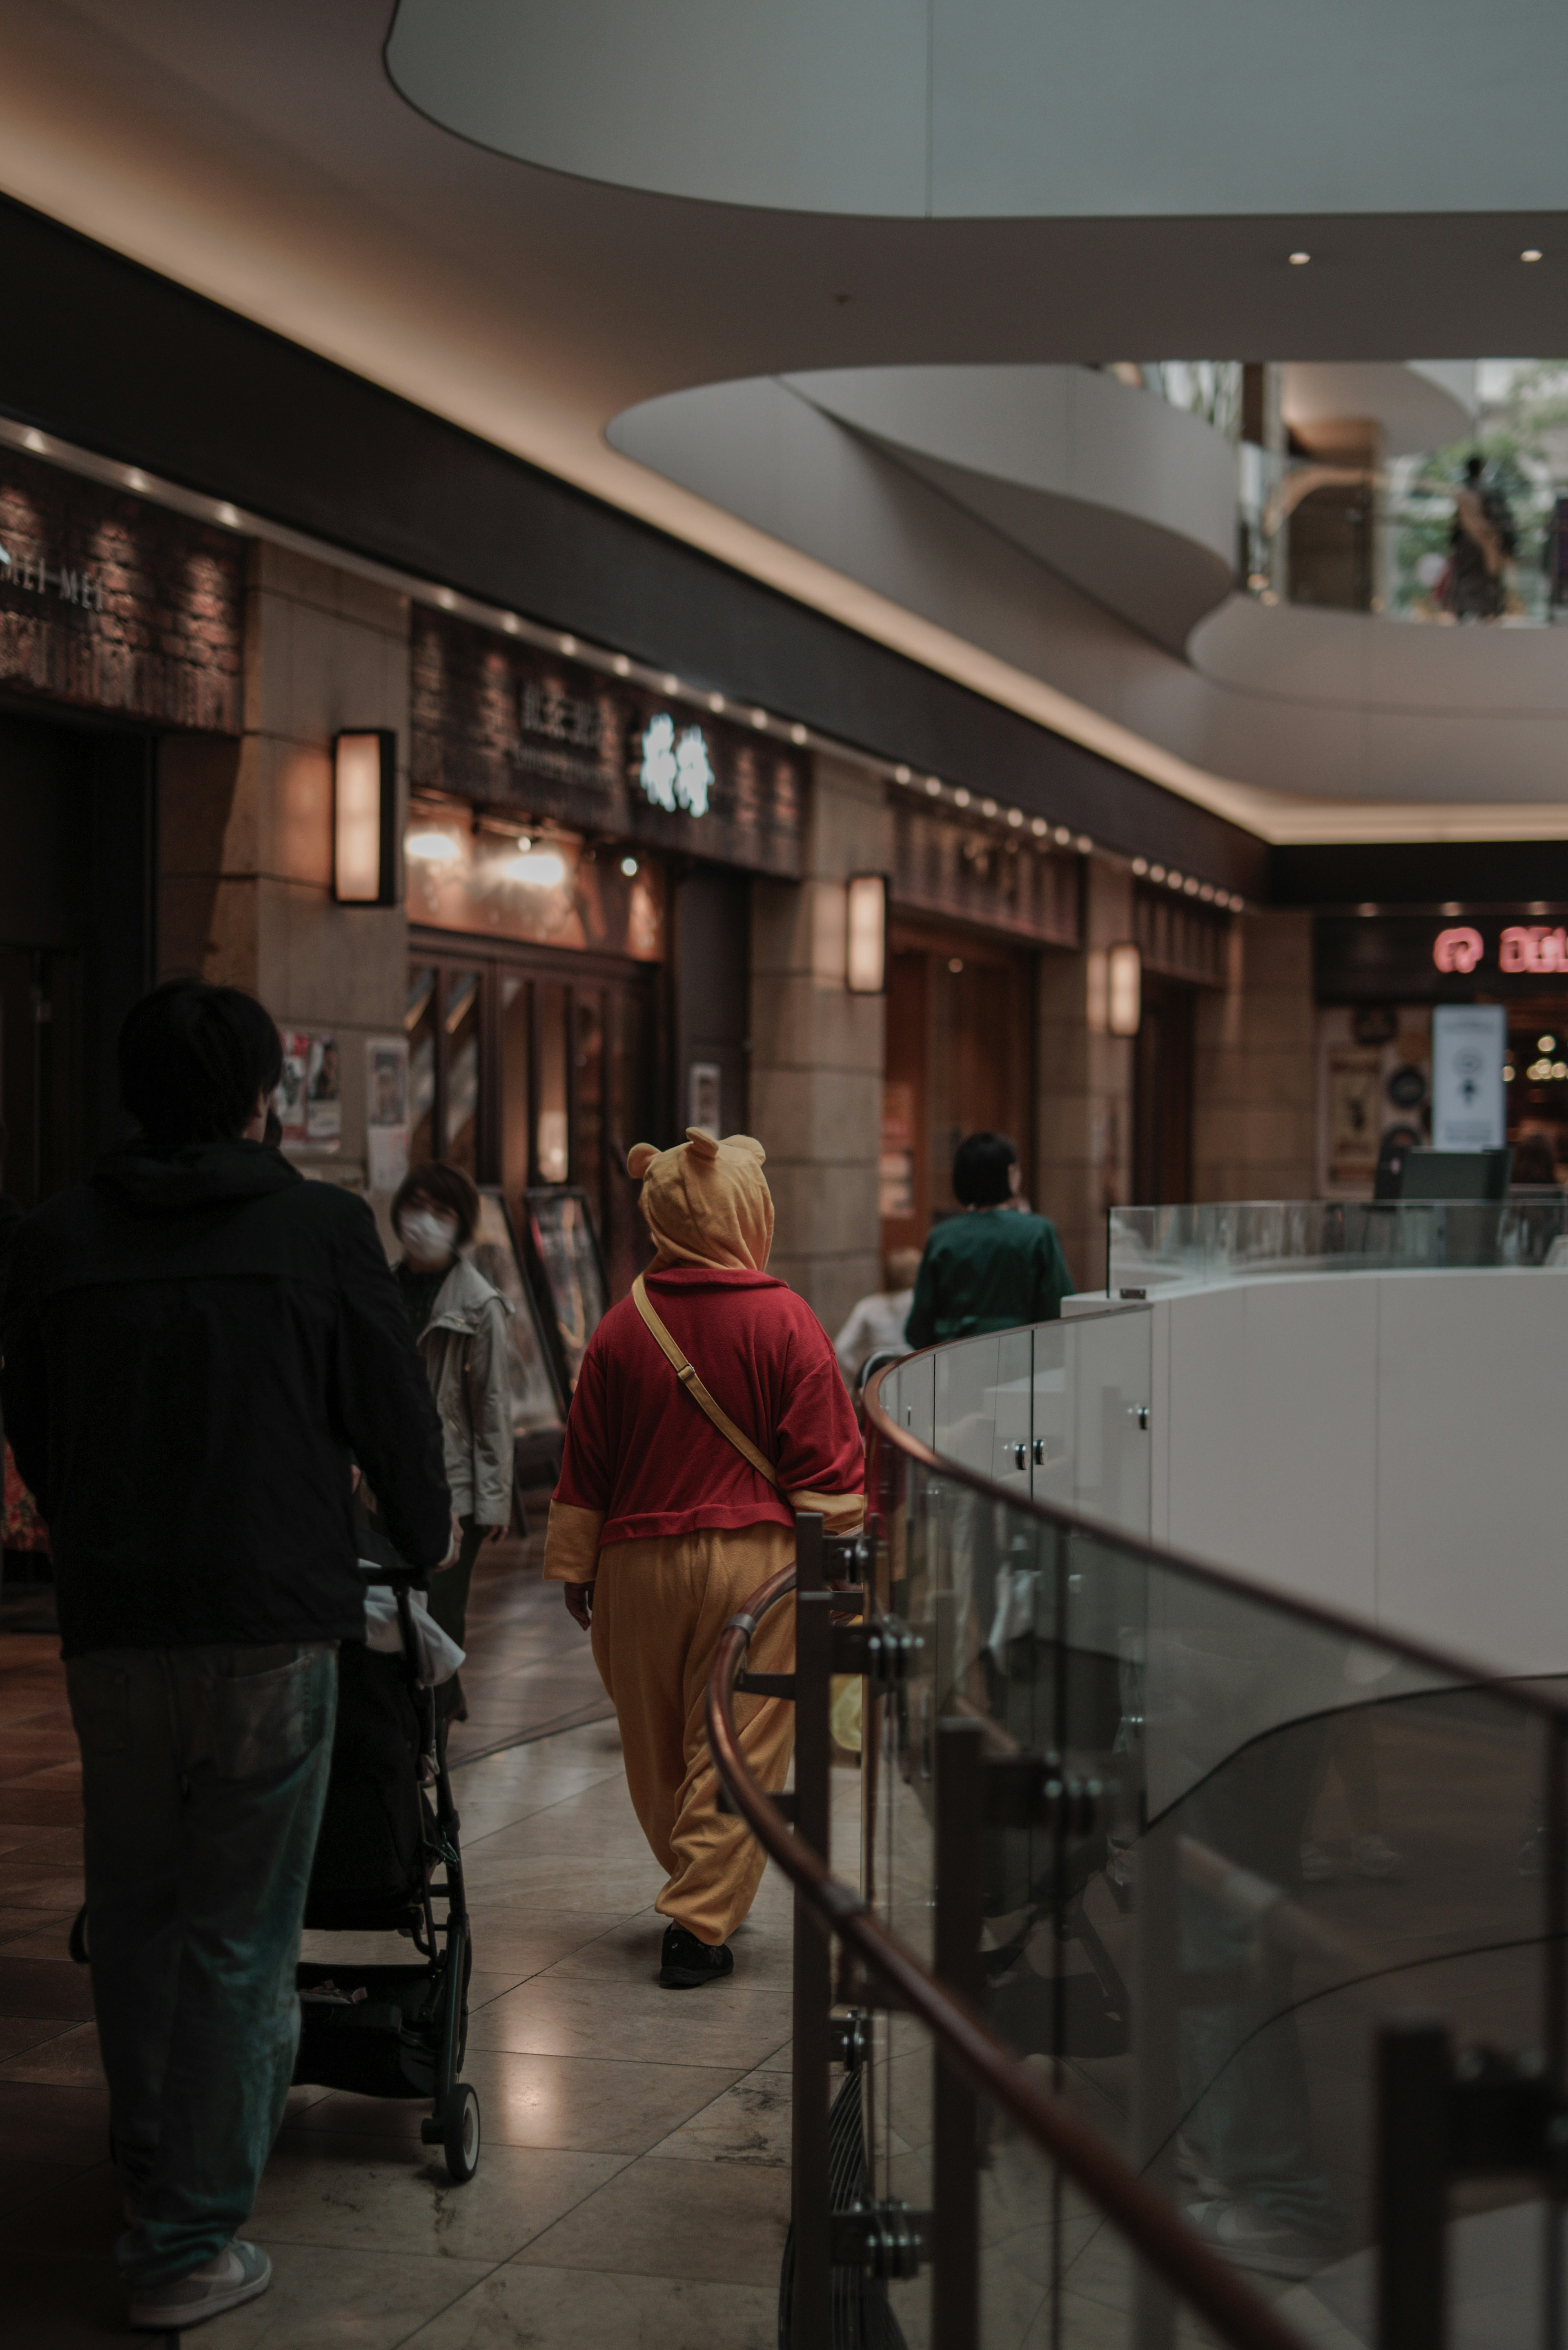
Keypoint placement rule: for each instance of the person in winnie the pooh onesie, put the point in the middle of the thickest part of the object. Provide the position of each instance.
(661, 1528)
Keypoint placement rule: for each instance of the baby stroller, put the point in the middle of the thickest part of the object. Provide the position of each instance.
(386, 1858)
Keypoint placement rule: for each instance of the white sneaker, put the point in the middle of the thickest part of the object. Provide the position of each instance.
(1250, 2239)
(1370, 1856)
(235, 2275)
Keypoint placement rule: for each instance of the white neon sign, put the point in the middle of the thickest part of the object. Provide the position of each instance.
(676, 770)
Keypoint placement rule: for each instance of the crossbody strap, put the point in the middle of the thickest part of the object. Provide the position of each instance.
(697, 1392)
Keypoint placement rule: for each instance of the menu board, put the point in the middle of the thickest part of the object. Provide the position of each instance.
(535, 1403)
(571, 1270)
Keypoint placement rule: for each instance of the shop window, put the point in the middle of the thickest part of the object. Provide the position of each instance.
(421, 1022)
(516, 1061)
(462, 1118)
(552, 1148)
(588, 1073)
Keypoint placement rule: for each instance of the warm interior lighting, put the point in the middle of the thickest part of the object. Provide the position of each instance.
(537, 868)
(1124, 991)
(1530, 253)
(629, 866)
(432, 848)
(865, 961)
(364, 811)
(1299, 260)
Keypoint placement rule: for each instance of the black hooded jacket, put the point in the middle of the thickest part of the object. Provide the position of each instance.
(194, 1342)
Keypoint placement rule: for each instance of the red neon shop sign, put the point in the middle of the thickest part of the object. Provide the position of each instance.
(1523, 946)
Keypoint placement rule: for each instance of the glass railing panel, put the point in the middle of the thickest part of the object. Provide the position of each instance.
(1299, 1831)
(1112, 1370)
(967, 1376)
(1151, 1249)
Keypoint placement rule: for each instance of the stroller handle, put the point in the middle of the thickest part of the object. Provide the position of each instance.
(404, 1578)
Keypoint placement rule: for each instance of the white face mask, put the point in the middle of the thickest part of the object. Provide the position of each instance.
(429, 1239)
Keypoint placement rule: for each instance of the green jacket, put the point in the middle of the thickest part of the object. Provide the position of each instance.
(989, 1269)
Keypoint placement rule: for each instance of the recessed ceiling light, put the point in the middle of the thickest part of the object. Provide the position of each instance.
(509, 622)
(1140, 866)
(759, 717)
(671, 684)
(1038, 827)
(1015, 815)
(1299, 260)
(567, 644)
(444, 595)
(962, 797)
(621, 666)
(715, 701)
(901, 774)
(798, 733)
(988, 807)
(1530, 253)
(228, 517)
(34, 441)
(1062, 837)
(934, 787)
(135, 479)
(1083, 844)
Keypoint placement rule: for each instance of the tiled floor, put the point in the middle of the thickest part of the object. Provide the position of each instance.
(632, 2188)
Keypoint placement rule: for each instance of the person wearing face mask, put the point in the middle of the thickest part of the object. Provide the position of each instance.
(459, 1322)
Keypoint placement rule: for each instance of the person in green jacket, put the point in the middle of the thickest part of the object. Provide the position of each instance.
(995, 1267)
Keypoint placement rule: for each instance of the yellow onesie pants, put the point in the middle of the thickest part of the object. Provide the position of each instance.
(660, 1610)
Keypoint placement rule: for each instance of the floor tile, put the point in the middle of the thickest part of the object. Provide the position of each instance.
(69, 2062)
(58, 2124)
(561, 2309)
(322, 2298)
(373, 2194)
(748, 2123)
(575, 2103)
(723, 2221)
(571, 2015)
(36, 1986)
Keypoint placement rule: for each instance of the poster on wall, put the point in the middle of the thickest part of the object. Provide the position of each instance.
(386, 1111)
(1470, 1045)
(323, 1095)
(572, 1274)
(289, 1099)
(1355, 1113)
(704, 1095)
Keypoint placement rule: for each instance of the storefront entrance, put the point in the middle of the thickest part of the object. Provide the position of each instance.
(959, 1055)
(75, 938)
(534, 1066)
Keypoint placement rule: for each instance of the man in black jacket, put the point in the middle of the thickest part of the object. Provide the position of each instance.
(194, 1343)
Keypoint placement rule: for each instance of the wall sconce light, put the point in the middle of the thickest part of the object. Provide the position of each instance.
(865, 959)
(364, 817)
(1124, 991)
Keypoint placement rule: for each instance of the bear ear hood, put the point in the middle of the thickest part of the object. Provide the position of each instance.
(706, 1202)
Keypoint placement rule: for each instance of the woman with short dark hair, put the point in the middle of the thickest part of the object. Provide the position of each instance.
(459, 1320)
(995, 1267)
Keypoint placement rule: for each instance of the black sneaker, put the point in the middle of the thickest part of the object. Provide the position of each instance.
(685, 1963)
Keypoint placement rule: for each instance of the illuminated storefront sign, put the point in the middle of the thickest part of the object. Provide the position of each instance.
(676, 771)
(1521, 946)
(1458, 950)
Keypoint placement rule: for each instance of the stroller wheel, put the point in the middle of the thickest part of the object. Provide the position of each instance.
(459, 2132)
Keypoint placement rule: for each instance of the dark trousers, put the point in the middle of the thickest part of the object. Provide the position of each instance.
(446, 1596)
(203, 1778)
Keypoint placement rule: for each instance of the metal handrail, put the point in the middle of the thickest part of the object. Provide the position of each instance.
(1240, 2316)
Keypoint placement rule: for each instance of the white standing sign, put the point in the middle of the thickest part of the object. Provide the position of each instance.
(1470, 1110)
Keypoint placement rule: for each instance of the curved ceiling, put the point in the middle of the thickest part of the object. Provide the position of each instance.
(1007, 109)
(1131, 499)
(259, 154)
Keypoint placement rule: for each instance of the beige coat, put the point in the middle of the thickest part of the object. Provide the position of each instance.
(464, 1348)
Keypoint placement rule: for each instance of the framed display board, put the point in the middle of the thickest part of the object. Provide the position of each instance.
(571, 1271)
(537, 1404)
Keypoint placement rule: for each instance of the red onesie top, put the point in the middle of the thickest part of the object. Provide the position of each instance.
(640, 1452)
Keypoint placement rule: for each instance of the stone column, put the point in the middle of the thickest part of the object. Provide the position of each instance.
(817, 1051)
(245, 826)
(1084, 1128)
(1254, 1107)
